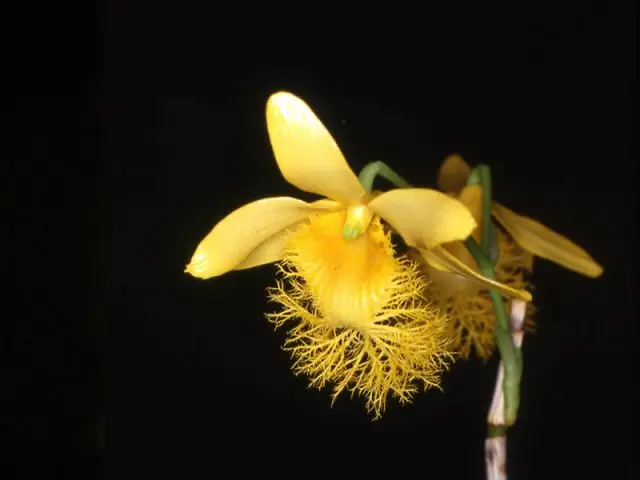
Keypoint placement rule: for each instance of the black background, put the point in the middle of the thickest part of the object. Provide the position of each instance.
(166, 376)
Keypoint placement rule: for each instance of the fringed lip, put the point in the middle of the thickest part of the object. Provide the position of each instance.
(356, 314)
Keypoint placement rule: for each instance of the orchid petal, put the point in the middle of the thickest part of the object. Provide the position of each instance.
(453, 174)
(543, 242)
(440, 259)
(271, 249)
(471, 196)
(424, 218)
(241, 239)
(306, 153)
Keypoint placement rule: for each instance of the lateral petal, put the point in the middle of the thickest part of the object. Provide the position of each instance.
(423, 217)
(243, 233)
(545, 243)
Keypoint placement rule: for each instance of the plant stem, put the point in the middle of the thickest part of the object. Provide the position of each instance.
(508, 352)
(482, 175)
(495, 446)
(371, 170)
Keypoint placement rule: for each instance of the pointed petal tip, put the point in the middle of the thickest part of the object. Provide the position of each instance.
(197, 269)
(594, 271)
(190, 270)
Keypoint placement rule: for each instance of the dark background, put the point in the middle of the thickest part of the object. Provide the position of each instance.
(166, 376)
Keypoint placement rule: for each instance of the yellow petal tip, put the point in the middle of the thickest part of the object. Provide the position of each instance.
(594, 271)
(200, 266)
(189, 269)
(286, 104)
(281, 95)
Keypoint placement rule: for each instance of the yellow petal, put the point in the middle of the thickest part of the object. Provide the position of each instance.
(471, 196)
(440, 259)
(424, 218)
(268, 251)
(453, 174)
(545, 243)
(307, 154)
(242, 235)
(271, 249)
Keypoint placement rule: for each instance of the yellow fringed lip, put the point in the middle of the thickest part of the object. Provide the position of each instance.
(359, 322)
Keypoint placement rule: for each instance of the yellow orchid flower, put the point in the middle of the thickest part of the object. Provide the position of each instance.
(361, 324)
(523, 239)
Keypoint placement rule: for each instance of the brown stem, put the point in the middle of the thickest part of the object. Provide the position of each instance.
(496, 442)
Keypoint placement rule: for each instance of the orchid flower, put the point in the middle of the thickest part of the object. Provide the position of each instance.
(359, 322)
(515, 247)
